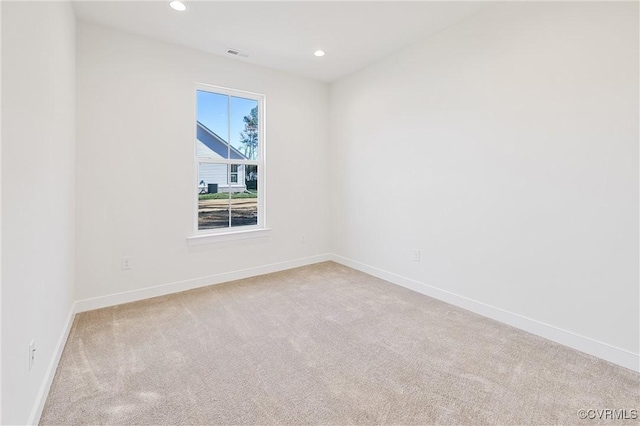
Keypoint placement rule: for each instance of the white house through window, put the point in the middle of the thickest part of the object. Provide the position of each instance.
(229, 156)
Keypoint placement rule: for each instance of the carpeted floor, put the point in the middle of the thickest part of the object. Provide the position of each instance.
(322, 344)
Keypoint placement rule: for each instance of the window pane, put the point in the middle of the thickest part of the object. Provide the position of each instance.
(244, 129)
(212, 125)
(213, 196)
(244, 202)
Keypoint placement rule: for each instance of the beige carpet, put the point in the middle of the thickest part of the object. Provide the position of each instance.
(323, 344)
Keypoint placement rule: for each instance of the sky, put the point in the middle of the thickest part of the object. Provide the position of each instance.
(213, 112)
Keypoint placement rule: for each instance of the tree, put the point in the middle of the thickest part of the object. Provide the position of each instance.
(249, 136)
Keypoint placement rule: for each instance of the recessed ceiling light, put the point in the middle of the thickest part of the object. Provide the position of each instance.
(178, 5)
(319, 53)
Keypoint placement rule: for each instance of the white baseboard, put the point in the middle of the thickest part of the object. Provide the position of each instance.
(175, 287)
(590, 346)
(43, 392)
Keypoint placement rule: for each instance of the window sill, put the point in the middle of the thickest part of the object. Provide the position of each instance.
(197, 240)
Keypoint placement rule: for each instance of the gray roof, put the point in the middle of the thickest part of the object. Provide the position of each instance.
(216, 144)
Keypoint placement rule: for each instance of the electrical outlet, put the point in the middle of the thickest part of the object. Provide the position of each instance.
(32, 353)
(126, 263)
(416, 255)
(303, 239)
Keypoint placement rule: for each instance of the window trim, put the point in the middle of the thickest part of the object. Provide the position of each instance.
(204, 236)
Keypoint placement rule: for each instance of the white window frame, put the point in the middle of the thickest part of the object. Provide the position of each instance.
(206, 236)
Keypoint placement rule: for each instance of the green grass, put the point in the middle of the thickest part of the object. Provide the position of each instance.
(225, 195)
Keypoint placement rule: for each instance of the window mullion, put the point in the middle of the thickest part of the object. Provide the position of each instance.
(229, 192)
(231, 161)
(229, 155)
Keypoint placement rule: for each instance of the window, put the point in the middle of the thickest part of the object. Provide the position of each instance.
(229, 160)
(234, 173)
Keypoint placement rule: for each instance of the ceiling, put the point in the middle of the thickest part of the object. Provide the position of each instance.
(284, 35)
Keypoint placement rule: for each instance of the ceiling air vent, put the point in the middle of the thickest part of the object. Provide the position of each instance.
(236, 52)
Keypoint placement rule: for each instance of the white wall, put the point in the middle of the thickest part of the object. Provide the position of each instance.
(0, 212)
(511, 140)
(135, 171)
(38, 178)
